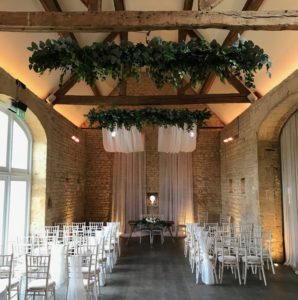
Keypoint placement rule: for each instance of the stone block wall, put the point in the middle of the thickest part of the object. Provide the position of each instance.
(250, 165)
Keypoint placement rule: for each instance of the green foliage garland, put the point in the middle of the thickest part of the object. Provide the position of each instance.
(109, 119)
(165, 62)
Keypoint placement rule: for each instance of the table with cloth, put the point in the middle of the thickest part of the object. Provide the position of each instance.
(167, 225)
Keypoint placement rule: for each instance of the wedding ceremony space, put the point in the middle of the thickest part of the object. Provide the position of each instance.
(148, 149)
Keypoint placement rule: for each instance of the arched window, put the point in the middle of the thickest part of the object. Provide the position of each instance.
(15, 177)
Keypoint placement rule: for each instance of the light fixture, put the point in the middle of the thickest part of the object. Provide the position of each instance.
(152, 199)
(76, 139)
(192, 134)
(113, 134)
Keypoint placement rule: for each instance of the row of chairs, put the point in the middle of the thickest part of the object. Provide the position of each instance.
(228, 249)
(102, 250)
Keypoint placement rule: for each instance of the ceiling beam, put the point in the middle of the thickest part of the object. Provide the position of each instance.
(115, 21)
(252, 5)
(53, 5)
(232, 37)
(151, 100)
(182, 34)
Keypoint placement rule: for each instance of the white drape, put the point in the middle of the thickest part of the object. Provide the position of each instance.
(173, 139)
(122, 140)
(176, 187)
(128, 196)
(289, 161)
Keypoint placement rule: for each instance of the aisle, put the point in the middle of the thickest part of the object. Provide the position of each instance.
(162, 273)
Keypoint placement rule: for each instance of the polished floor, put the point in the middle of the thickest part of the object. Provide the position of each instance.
(162, 272)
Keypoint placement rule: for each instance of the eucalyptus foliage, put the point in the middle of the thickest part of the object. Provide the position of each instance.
(109, 119)
(165, 62)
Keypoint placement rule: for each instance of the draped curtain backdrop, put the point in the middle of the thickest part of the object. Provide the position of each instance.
(128, 195)
(176, 187)
(289, 161)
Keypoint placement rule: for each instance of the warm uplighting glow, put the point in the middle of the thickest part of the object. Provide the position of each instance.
(113, 134)
(76, 139)
(230, 139)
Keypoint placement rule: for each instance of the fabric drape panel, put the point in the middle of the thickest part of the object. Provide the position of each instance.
(176, 187)
(172, 139)
(125, 141)
(289, 162)
(128, 195)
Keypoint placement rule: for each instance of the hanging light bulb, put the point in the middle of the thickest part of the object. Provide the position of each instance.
(192, 134)
(113, 134)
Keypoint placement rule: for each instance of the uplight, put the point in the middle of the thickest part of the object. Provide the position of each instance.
(75, 139)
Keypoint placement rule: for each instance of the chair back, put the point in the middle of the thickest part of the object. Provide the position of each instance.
(6, 267)
(37, 267)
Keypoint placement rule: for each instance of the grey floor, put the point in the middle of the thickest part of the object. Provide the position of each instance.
(162, 272)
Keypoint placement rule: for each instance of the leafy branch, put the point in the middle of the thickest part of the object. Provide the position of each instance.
(109, 119)
(165, 62)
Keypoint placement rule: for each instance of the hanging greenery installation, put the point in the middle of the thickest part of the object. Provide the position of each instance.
(183, 118)
(164, 61)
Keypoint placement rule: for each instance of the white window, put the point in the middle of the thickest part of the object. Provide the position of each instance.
(15, 177)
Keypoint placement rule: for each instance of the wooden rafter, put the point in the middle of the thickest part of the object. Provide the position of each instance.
(115, 21)
(182, 34)
(53, 5)
(252, 5)
(151, 100)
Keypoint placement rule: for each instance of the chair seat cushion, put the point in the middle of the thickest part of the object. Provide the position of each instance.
(92, 269)
(227, 258)
(40, 284)
(251, 259)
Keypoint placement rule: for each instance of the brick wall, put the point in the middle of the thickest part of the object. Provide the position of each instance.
(59, 196)
(206, 161)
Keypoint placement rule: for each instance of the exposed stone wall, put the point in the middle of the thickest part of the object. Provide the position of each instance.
(255, 157)
(59, 195)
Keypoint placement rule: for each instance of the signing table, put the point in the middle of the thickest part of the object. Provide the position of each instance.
(167, 225)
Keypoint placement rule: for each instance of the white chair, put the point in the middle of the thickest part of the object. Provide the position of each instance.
(96, 225)
(6, 277)
(101, 257)
(78, 282)
(253, 259)
(38, 281)
(267, 250)
(95, 269)
(228, 256)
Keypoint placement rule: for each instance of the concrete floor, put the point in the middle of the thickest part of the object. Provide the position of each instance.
(162, 272)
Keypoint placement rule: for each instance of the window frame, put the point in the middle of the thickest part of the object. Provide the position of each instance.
(9, 174)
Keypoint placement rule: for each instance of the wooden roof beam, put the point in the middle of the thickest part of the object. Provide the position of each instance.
(115, 21)
(151, 100)
(251, 5)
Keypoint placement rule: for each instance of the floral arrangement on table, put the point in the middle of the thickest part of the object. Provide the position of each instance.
(164, 61)
(151, 220)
